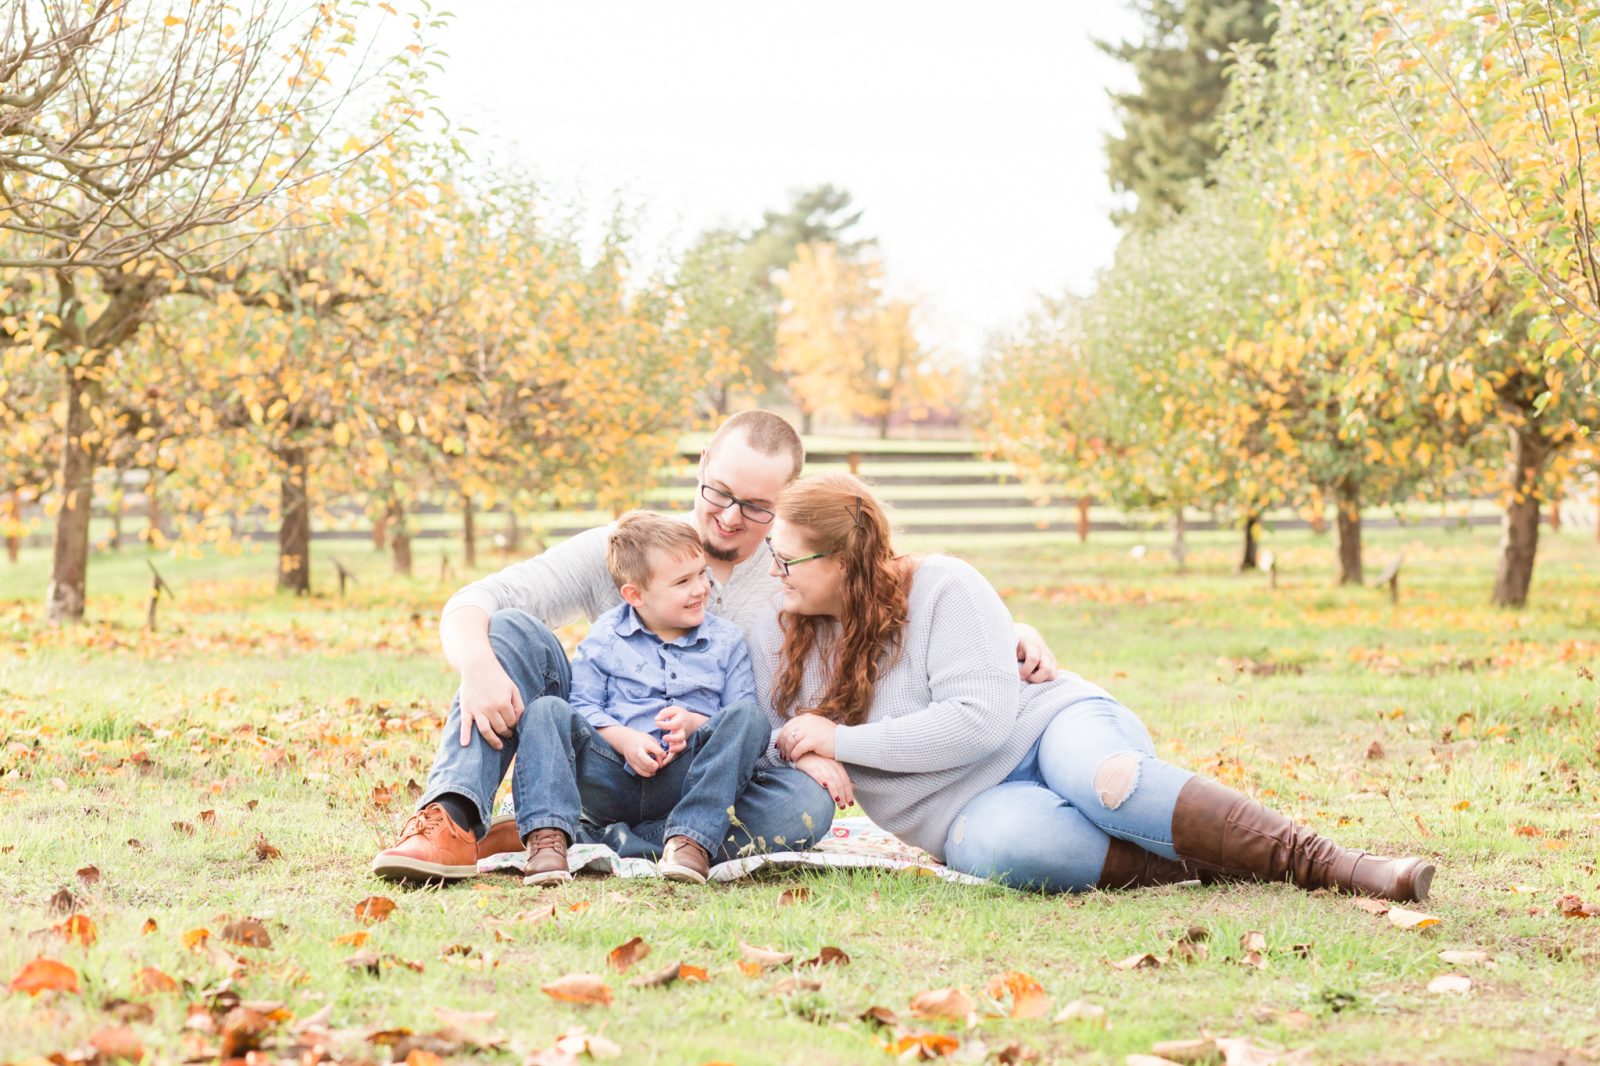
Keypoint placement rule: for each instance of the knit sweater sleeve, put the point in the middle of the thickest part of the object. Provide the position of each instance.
(969, 658)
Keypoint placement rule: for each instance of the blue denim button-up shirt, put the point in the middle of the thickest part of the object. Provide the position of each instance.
(623, 674)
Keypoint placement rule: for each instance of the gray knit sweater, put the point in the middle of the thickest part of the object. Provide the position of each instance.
(949, 719)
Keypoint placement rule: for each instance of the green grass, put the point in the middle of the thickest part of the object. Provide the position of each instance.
(282, 716)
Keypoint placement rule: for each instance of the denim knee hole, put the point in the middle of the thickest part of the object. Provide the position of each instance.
(1116, 779)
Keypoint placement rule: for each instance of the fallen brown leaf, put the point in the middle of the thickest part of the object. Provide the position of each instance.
(579, 907)
(1028, 997)
(247, 932)
(149, 981)
(1573, 906)
(764, 957)
(1080, 1011)
(76, 928)
(942, 1003)
(1371, 906)
(880, 1016)
(924, 1046)
(1409, 919)
(585, 988)
(117, 1043)
(242, 1030)
(792, 896)
(1450, 983)
(691, 974)
(535, 916)
(44, 975)
(622, 957)
(63, 902)
(208, 817)
(828, 956)
(375, 909)
(658, 979)
(185, 828)
(195, 938)
(148, 927)
(788, 986)
(1187, 1051)
(1464, 958)
(264, 851)
(353, 940)
(1145, 961)
(89, 875)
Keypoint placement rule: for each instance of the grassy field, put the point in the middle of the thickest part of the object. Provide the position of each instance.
(246, 761)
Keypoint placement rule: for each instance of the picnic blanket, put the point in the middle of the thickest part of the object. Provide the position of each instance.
(852, 843)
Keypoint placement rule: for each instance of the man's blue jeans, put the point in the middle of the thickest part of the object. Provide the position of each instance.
(1091, 776)
(567, 777)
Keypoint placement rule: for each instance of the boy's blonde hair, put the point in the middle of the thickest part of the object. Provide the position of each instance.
(639, 533)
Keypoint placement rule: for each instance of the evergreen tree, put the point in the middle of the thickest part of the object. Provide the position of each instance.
(1169, 130)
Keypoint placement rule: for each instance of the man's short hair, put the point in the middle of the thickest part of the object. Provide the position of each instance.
(767, 433)
(637, 534)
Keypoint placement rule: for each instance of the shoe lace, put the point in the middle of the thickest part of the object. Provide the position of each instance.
(425, 823)
(546, 839)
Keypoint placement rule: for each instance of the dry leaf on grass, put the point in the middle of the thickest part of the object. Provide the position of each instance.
(353, 940)
(196, 938)
(117, 1043)
(1237, 1051)
(880, 1016)
(658, 979)
(1370, 905)
(148, 927)
(76, 929)
(788, 986)
(1573, 906)
(1028, 997)
(924, 1046)
(89, 875)
(764, 957)
(265, 852)
(1196, 1050)
(1145, 961)
(243, 1030)
(535, 916)
(942, 1003)
(1082, 1011)
(584, 988)
(578, 1041)
(247, 932)
(624, 955)
(828, 956)
(691, 974)
(1450, 983)
(1409, 919)
(63, 902)
(1464, 958)
(44, 975)
(149, 981)
(374, 909)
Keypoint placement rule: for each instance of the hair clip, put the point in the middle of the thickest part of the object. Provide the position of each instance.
(855, 514)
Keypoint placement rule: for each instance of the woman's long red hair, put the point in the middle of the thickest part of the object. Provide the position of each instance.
(838, 514)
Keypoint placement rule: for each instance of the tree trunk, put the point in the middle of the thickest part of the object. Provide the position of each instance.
(294, 524)
(380, 531)
(805, 423)
(1249, 559)
(152, 510)
(883, 425)
(399, 539)
(70, 567)
(469, 531)
(513, 531)
(1555, 514)
(116, 517)
(14, 521)
(1180, 546)
(1083, 519)
(1519, 530)
(1348, 514)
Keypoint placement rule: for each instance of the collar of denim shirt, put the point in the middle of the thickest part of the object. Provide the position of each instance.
(630, 623)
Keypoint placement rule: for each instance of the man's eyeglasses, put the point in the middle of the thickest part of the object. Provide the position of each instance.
(784, 564)
(761, 516)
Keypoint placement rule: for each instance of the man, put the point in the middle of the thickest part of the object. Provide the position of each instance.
(743, 470)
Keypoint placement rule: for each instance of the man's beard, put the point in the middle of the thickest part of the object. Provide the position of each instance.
(722, 555)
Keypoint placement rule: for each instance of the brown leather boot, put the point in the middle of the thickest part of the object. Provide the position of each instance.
(1130, 866)
(1215, 826)
(547, 858)
(501, 837)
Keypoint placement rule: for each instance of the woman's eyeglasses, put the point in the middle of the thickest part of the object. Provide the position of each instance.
(784, 564)
(761, 516)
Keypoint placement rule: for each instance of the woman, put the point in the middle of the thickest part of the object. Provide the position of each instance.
(903, 672)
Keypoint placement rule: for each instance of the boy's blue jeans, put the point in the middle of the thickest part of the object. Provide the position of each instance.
(567, 777)
(1048, 825)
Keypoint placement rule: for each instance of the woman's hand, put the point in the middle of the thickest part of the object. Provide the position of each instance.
(1034, 661)
(807, 734)
(831, 775)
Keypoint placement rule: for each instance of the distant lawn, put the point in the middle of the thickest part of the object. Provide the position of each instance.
(1438, 726)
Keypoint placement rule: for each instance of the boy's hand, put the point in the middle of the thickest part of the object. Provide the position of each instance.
(676, 723)
(639, 750)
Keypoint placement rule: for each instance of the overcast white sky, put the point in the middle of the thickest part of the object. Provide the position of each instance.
(971, 134)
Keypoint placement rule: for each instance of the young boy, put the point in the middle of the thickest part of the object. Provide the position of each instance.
(662, 724)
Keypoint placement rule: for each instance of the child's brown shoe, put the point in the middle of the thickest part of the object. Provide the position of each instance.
(547, 858)
(684, 860)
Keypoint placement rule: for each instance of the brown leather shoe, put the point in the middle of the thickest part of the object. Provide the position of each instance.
(684, 860)
(547, 858)
(1128, 865)
(502, 837)
(431, 848)
(1215, 826)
